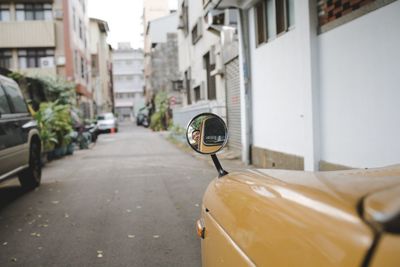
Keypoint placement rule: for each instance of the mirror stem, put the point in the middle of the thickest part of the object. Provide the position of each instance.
(221, 171)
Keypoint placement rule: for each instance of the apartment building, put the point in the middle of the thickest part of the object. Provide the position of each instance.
(165, 74)
(320, 82)
(152, 9)
(209, 66)
(128, 80)
(48, 37)
(101, 69)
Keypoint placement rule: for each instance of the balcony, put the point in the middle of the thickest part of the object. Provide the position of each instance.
(25, 34)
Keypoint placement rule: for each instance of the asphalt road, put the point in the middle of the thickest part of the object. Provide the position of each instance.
(131, 200)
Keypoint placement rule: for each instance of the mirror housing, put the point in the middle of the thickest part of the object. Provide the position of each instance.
(207, 133)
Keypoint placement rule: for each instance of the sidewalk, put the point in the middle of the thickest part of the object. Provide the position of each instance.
(228, 160)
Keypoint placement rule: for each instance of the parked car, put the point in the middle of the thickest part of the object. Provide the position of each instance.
(295, 218)
(142, 118)
(20, 144)
(107, 122)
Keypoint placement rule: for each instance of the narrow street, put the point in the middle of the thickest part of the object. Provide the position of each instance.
(131, 200)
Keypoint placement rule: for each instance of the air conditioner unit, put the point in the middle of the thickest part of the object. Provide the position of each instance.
(47, 62)
(60, 61)
(216, 17)
(58, 14)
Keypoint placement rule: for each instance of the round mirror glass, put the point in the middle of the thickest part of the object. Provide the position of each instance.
(207, 133)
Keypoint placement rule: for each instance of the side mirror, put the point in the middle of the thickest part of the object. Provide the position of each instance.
(207, 134)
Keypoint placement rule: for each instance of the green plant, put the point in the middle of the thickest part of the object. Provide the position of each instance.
(16, 76)
(55, 125)
(62, 124)
(160, 119)
(58, 89)
(44, 116)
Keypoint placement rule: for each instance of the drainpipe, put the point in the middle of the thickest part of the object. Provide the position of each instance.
(245, 86)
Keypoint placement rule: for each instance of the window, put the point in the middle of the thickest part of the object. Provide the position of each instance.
(281, 16)
(80, 29)
(95, 64)
(196, 31)
(83, 68)
(4, 12)
(184, 18)
(34, 12)
(76, 61)
(195, 35)
(211, 86)
(272, 18)
(74, 19)
(187, 84)
(4, 107)
(16, 98)
(261, 33)
(31, 58)
(196, 91)
(5, 59)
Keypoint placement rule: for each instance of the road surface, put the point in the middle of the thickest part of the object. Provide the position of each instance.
(131, 200)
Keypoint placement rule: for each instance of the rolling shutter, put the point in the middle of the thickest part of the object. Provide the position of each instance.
(233, 105)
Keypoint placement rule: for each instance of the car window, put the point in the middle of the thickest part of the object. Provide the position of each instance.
(109, 116)
(105, 117)
(4, 107)
(16, 98)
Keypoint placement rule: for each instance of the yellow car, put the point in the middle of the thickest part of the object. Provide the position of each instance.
(297, 218)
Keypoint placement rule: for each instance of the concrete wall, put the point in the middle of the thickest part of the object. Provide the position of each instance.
(348, 76)
(27, 34)
(360, 90)
(278, 77)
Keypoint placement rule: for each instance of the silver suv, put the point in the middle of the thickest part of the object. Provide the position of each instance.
(20, 145)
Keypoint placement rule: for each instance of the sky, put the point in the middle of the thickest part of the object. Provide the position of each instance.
(124, 18)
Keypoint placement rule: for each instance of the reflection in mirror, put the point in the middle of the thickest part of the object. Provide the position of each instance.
(207, 133)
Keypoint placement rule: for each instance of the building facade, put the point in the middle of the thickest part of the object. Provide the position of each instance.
(48, 38)
(199, 54)
(128, 80)
(101, 69)
(152, 9)
(320, 82)
(165, 75)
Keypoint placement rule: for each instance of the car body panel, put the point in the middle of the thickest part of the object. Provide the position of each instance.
(13, 157)
(216, 255)
(107, 122)
(292, 218)
(387, 252)
(16, 131)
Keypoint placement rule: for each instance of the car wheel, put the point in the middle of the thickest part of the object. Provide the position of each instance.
(30, 177)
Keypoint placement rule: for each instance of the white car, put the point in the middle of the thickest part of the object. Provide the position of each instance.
(107, 122)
